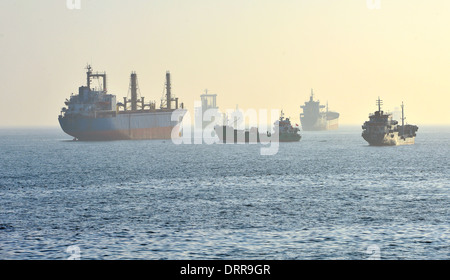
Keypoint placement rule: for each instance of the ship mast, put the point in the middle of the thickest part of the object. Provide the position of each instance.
(168, 90)
(96, 75)
(379, 103)
(133, 86)
(169, 98)
(88, 74)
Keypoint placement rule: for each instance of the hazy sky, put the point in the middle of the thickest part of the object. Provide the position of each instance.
(258, 54)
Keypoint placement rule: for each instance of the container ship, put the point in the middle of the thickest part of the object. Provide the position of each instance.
(382, 130)
(95, 115)
(317, 117)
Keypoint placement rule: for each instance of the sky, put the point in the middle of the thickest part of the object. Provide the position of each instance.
(257, 54)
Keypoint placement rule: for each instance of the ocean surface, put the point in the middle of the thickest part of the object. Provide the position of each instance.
(329, 196)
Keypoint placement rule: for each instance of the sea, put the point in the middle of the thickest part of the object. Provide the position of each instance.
(329, 196)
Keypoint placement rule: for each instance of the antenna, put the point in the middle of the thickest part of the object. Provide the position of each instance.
(379, 103)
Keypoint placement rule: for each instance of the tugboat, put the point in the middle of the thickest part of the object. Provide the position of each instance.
(382, 130)
(283, 127)
(287, 133)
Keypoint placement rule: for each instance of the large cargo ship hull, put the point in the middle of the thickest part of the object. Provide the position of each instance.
(325, 122)
(123, 126)
(333, 124)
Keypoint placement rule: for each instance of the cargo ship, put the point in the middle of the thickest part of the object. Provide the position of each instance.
(316, 117)
(95, 115)
(286, 133)
(382, 130)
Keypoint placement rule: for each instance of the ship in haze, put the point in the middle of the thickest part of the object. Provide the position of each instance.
(93, 114)
(382, 130)
(316, 117)
(285, 130)
(286, 133)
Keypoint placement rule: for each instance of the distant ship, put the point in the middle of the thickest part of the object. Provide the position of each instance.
(315, 118)
(228, 134)
(93, 114)
(382, 130)
(287, 133)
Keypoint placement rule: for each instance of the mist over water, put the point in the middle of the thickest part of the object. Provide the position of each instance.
(329, 196)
